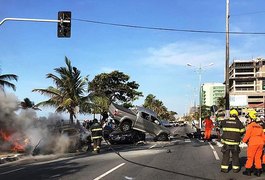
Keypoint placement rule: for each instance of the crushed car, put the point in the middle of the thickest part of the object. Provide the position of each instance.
(140, 119)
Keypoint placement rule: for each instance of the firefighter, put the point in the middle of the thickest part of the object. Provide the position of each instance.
(254, 137)
(262, 123)
(208, 123)
(96, 135)
(219, 117)
(233, 130)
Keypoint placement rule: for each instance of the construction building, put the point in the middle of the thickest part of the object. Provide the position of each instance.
(247, 83)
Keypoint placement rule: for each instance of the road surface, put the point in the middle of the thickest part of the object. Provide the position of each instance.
(178, 159)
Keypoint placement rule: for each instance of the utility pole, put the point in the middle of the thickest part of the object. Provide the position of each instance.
(227, 105)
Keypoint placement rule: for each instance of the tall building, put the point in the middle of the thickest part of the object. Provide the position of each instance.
(247, 78)
(211, 92)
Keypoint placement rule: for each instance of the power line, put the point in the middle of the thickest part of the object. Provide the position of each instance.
(248, 13)
(168, 29)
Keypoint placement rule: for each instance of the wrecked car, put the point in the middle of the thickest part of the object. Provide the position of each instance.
(127, 137)
(68, 138)
(139, 118)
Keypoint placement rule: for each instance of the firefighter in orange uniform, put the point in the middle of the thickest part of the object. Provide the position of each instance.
(254, 137)
(208, 123)
(262, 123)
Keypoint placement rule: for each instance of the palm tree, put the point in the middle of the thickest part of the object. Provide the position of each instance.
(68, 93)
(27, 103)
(4, 81)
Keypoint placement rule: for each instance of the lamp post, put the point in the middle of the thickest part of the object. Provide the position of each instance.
(199, 71)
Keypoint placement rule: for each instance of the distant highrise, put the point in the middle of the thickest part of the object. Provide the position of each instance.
(247, 78)
(211, 92)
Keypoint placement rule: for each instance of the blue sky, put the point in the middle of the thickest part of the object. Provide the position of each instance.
(154, 59)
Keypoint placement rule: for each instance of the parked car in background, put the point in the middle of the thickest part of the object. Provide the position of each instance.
(139, 118)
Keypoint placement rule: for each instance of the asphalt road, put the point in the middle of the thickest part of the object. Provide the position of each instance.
(181, 158)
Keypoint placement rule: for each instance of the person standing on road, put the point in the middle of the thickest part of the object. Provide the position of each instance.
(219, 117)
(262, 123)
(233, 130)
(255, 139)
(208, 123)
(96, 135)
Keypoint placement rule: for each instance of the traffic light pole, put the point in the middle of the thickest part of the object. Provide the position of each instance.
(34, 20)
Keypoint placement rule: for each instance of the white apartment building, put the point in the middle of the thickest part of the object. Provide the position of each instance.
(211, 92)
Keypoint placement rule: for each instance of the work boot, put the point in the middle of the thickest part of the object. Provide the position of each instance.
(258, 172)
(247, 172)
(224, 170)
(236, 170)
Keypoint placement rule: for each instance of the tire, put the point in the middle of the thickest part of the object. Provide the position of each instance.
(126, 126)
(162, 137)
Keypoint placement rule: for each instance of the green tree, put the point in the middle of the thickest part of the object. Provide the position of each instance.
(221, 103)
(27, 103)
(4, 81)
(68, 95)
(157, 106)
(114, 87)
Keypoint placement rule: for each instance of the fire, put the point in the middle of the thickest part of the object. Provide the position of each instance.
(13, 142)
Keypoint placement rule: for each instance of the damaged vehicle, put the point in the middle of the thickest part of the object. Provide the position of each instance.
(127, 137)
(68, 138)
(139, 118)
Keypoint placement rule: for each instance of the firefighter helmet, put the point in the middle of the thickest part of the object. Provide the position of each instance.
(233, 112)
(253, 114)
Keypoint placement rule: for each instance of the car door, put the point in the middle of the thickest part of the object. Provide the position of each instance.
(140, 122)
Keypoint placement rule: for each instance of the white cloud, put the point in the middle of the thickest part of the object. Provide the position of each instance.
(202, 52)
(181, 53)
(106, 69)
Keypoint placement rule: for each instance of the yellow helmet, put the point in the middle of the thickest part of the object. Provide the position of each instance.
(253, 114)
(233, 112)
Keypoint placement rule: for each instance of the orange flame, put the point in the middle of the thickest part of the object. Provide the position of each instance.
(17, 144)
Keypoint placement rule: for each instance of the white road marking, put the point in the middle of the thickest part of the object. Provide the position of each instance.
(152, 146)
(214, 152)
(108, 172)
(11, 171)
(216, 155)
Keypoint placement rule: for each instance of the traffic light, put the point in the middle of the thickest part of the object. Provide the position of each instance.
(64, 28)
(263, 84)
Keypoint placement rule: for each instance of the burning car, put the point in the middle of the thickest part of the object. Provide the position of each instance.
(12, 141)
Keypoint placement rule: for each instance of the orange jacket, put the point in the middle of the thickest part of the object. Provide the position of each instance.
(254, 134)
(208, 124)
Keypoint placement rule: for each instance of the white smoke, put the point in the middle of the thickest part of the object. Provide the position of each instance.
(25, 123)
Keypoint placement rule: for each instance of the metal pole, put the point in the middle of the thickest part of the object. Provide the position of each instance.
(33, 20)
(227, 105)
(200, 99)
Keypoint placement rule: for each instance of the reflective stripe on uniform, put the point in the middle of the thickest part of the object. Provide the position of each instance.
(224, 167)
(234, 130)
(235, 167)
(97, 129)
(96, 137)
(229, 142)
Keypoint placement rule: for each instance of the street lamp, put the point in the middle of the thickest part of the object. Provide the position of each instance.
(199, 71)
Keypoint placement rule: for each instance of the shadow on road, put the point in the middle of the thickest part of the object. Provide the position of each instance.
(50, 170)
